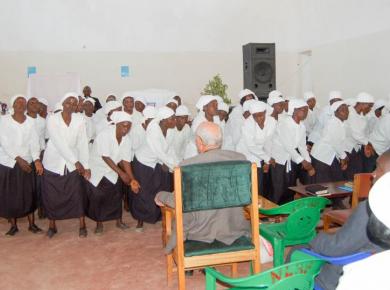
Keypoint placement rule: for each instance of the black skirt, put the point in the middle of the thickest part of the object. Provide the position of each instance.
(281, 181)
(63, 196)
(325, 172)
(18, 196)
(104, 201)
(142, 206)
(355, 164)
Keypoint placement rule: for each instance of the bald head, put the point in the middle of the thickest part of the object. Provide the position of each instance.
(208, 137)
(382, 165)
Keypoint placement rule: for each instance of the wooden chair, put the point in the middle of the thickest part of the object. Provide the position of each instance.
(361, 187)
(212, 186)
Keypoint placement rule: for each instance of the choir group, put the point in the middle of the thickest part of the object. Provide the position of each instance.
(84, 160)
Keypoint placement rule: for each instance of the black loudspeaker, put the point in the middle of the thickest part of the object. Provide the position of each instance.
(259, 68)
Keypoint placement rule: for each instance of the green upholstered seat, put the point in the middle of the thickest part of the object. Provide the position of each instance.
(216, 185)
(196, 248)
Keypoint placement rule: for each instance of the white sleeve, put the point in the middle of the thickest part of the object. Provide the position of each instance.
(286, 136)
(60, 144)
(335, 141)
(358, 131)
(247, 133)
(303, 148)
(155, 144)
(82, 145)
(4, 141)
(35, 146)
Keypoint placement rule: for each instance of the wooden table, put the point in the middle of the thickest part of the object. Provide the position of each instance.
(333, 190)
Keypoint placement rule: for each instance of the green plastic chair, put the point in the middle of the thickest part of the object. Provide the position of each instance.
(297, 275)
(298, 228)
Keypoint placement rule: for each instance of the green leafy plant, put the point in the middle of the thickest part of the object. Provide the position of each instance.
(217, 87)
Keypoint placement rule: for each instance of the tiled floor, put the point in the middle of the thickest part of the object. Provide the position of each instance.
(116, 260)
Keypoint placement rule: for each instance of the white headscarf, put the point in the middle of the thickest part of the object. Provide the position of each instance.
(182, 111)
(88, 99)
(43, 101)
(118, 117)
(222, 106)
(336, 105)
(205, 100)
(140, 99)
(149, 112)
(378, 104)
(111, 106)
(295, 104)
(274, 100)
(275, 93)
(335, 95)
(246, 92)
(257, 107)
(13, 99)
(164, 113)
(126, 95)
(109, 96)
(172, 101)
(247, 105)
(364, 98)
(308, 95)
(68, 95)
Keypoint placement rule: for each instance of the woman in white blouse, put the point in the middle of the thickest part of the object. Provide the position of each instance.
(290, 152)
(19, 155)
(110, 159)
(330, 152)
(109, 108)
(66, 166)
(88, 108)
(255, 132)
(151, 166)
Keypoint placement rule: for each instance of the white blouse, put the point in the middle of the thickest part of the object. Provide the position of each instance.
(380, 136)
(18, 140)
(67, 144)
(253, 140)
(90, 127)
(106, 145)
(156, 149)
(323, 117)
(289, 138)
(332, 143)
(357, 130)
(180, 141)
(40, 128)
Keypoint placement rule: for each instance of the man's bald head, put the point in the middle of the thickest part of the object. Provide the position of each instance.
(382, 165)
(208, 137)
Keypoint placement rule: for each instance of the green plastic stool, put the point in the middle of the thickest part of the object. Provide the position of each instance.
(298, 228)
(297, 275)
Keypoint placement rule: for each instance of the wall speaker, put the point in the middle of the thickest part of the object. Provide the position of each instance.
(259, 68)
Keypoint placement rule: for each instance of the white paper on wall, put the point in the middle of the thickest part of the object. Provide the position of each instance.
(53, 86)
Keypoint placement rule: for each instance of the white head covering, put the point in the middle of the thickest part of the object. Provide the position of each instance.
(275, 93)
(247, 105)
(164, 113)
(118, 117)
(379, 199)
(336, 105)
(246, 92)
(378, 104)
(68, 95)
(204, 100)
(308, 95)
(364, 98)
(126, 95)
(274, 100)
(92, 101)
(257, 107)
(222, 106)
(58, 107)
(182, 111)
(149, 112)
(111, 106)
(172, 101)
(109, 96)
(140, 99)
(295, 104)
(13, 99)
(43, 101)
(334, 95)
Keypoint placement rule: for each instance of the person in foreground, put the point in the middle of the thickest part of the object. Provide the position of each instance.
(372, 272)
(351, 237)
(209, 225)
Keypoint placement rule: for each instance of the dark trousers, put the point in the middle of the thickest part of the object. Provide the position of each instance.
(281, 181)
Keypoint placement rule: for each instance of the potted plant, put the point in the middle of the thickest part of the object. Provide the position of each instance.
(217, 87)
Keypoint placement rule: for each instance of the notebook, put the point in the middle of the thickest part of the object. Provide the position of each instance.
(317, 189)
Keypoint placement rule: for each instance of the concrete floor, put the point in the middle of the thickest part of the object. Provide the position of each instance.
(115, 260)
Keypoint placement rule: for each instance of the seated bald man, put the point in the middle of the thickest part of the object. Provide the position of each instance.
(209, 225)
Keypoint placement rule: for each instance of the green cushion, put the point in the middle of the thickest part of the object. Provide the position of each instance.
(216, 185)
(196, 248)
